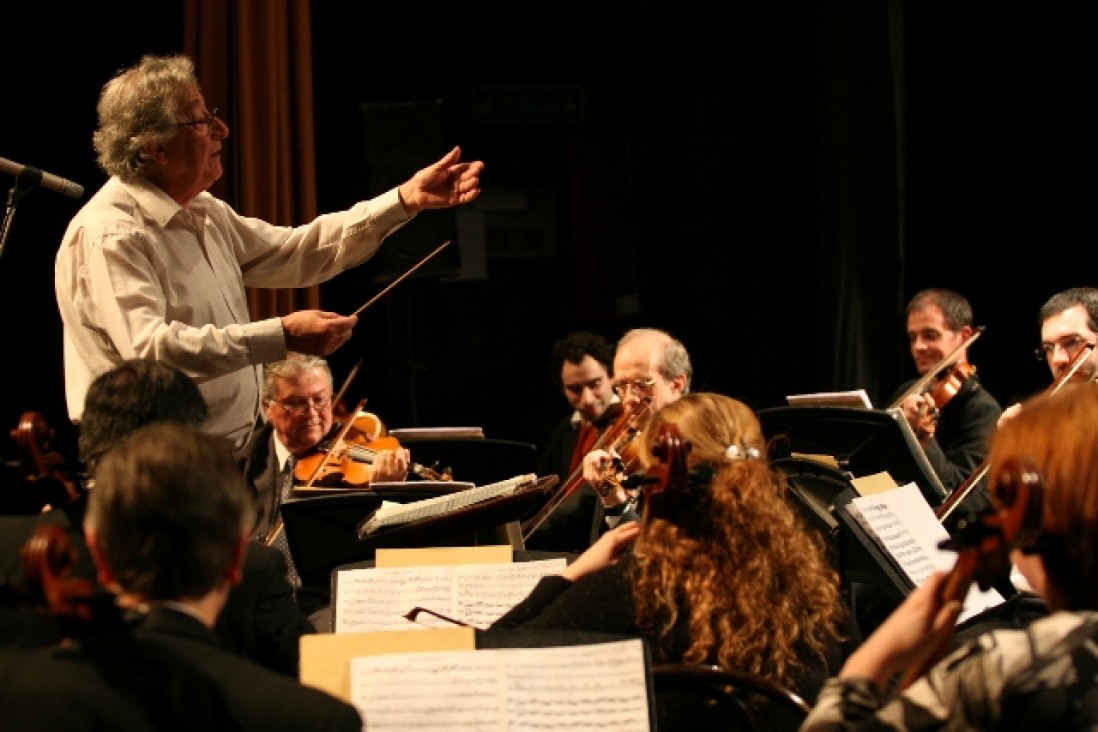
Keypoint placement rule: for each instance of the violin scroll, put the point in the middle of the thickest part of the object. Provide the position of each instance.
(669, 477)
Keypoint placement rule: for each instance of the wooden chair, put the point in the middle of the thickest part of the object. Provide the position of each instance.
(699, 696)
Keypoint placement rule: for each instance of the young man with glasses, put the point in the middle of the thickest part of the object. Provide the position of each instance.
(154, 266)
(1069, 323)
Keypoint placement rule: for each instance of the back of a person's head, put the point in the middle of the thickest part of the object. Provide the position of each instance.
(758, 582)
(1056, 436)
(168, 511)
(135, 393)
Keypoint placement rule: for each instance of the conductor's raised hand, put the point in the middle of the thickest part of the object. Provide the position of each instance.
(446, 183)
(317, 332)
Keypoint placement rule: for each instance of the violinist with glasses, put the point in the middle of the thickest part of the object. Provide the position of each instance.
(1045, 519)
(297, 400)
(954, 434)
(1069, 324)
(651, 370)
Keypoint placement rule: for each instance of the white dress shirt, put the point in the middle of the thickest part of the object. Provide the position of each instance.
(138, 276)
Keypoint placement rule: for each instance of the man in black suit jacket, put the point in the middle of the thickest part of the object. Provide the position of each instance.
(168, 526)
(260, 621)
(297, 402)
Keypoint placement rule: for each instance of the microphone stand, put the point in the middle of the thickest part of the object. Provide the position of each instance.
(26, 181)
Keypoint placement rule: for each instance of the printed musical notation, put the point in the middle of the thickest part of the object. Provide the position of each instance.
(903, 523)
(378, 598)
(591, 686)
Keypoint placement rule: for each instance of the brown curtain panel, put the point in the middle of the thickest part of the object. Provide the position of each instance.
(254, 60)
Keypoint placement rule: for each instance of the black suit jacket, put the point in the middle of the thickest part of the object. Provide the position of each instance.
(261, 699)
(258, 462)
(170, 673)
(261, 620)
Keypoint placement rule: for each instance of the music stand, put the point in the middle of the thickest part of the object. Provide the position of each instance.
(464, 526)
(862, 441)
(321, 530)
(481, 461)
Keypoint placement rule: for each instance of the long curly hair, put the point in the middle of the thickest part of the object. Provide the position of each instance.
(733, 555)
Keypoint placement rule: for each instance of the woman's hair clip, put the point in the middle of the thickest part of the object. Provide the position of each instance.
(738, 452)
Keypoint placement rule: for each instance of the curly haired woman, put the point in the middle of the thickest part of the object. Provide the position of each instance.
(721, 569)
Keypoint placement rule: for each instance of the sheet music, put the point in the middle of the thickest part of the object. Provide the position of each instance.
(391, 514)
(376, 598)
(594, 686)
(905, 526)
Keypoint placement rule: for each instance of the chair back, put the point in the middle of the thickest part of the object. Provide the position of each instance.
(699, 696)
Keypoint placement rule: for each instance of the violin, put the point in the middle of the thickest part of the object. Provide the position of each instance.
(963, 490)
(668, 479)
(983, 545)
(346, 461)
(617, 437)
(940, 384)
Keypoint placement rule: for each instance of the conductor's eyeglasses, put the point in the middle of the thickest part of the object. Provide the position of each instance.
(208, 120)
(1069, 344)
(297, 406)
(643, 387)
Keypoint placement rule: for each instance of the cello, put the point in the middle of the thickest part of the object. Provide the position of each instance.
(984, 544)
(46, 469)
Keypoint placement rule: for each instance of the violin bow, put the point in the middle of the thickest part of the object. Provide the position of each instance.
(335, 444)
(959, 495)
(338, 398)
(398, 280)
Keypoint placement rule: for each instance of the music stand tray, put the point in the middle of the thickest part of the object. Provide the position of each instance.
(461, 527)
(321, 530)
(863, 442)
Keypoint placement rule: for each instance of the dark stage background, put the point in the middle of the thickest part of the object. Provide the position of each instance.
(769, 183)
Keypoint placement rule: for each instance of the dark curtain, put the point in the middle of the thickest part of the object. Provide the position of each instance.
(254, 60)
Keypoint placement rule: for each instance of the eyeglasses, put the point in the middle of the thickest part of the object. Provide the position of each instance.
(643, 387)
(207, 120)
(296, 407)
(1069, 344)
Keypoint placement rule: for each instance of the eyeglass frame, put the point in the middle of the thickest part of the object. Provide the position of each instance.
(301, 408)
(208, 120)
(642, 386)
(1069, 344)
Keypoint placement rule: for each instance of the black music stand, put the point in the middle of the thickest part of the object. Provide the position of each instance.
(321, 530)
(481, 461)
(465, 526)
(862, 441)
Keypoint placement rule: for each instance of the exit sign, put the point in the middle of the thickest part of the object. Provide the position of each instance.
(528, 104)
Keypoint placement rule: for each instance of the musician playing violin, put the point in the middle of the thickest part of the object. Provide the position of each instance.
(1069, 323)
(954, 434)
(297, 401)
(581, 365)
(651, 369)
(1037, 677)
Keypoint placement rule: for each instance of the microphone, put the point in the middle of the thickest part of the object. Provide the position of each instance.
(55, 183)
